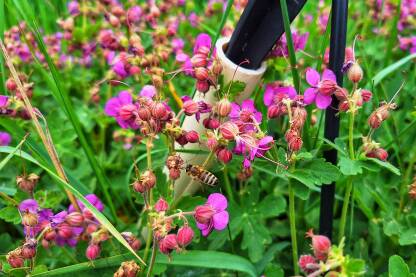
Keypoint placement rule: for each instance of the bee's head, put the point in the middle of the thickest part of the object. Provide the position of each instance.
(188, 167)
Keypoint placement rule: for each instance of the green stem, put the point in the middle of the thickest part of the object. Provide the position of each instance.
(292, 220)
(148, 242)
(227, 184)
(406, 180)
(349, 186)
(152, 259)
(291, 48)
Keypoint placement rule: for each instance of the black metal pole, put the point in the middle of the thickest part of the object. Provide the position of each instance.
(336, 59)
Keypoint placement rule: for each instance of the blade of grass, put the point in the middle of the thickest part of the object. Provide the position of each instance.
(11, 154)
(290, 46)
(192, 258)
(64, 185)
(222, 23)
(391, 68)
(62, 98)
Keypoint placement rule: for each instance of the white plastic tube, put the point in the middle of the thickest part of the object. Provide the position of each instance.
(231, 71)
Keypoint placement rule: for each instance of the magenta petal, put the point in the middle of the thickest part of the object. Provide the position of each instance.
(290, 91)
(202, 40)
(32, 206)
(312, 76)
(112, 106)
(248, 104)
(125, 97)
(148, 91)
(220, 220)
(3, 100)
(258, 117)
(323, 101)
(329, 75)
(309, 95)
(235, 111)
(205, 228)
(268, 95)
(217, 201)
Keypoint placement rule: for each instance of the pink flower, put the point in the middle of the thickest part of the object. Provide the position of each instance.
(217, 218)
(246, 113)
(5, 139)
(177, 45)
(29, 206)
(299, 43)
(114, 106)
(148, 91)
(321, 88)
(93, 199)
(73, 8)
(202, 40)
(273, 93)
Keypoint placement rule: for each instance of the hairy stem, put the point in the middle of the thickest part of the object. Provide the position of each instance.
(152, 259)
(292, 220)
(349, 186)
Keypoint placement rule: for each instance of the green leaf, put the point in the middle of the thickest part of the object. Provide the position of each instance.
(234, 88)
(354, 267)
(10, 214)
(315, 173)
(49, 199)
(391, 68)
(10, 155)
(192, 258)
(255, 237)
(64, 185)
(408, 237)
(272, 206)
(398, 268)
(386, 165)
(349, 167)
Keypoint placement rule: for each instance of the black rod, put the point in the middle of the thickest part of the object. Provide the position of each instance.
(339, 17)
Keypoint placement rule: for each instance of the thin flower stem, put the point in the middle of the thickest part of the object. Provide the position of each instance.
(292, 220)
(227, 184)
(350, 183)
(148, 242)
(152, 259)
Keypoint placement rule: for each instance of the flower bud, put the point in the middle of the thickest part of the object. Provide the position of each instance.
(375, 120)
(159, 110)
(274, 111)
(11, 84)
(308, 264)
(127, 269)
(91, 228)
(224, 155)
(148, 178)
(202, 86)
(181, 140)
(29, 249)
(229, 130)
(15, 260)
(27, 183)
(320, 245)
(132, 240)
(224, 107)
(381, 154)
(217, 67)
(65, 231)
(185, 236)
(161, 205)
(144, 113)
(74, 219)
(174, 173)
(366, 95)
(327, 87)
(341, 94)
(190, 107)
(45, 243)
(201, 73)
(168, 244)
(192, 136)
(49, 235)
(355, 73)
(199, 60)
(204, 213)
(295, 144)
(344, 106)
(30, 219)
(204, 50)
(92, 252)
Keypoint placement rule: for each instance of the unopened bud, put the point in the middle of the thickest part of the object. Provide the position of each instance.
(199, 60)
(224, 107)
(168, 244)
(320, 245)
(161, 205)
(192, 136)
(308, 264)
(30, 219)
(366, 95)
(159, 110)
(190, 107)
(29, 249)
(202, 86)
(224, 155)
(127, 269)
(185, 236)
(92, 252)
(74, 219)
(355, 73)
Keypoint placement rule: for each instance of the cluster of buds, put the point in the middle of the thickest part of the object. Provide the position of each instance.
(204, 69)
(380, 114)
(174, 163)
(145, 182)
(351, 102)
(127, 269)
(372, 149)
(27, 251)
(293, 135)
(27, 183)
(178, 241)
(321, 247)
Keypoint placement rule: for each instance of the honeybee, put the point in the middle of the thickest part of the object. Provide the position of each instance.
(200, 174)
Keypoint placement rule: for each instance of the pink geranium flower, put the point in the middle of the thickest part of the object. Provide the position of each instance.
(273, 93)
(202, 40)
(5, 139)
(119, 107)
(213, 214)
(321, 88)
(246, 113)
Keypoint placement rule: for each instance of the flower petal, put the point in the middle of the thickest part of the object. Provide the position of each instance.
(312, 76)
(205, 228)
(148, 91)
(328, 74)
(125, 97)
(323, 101)
(235, 111)
(268, 95)
(248, 104)
(31, 206)
(309, 95)
(220, 220)
(112, 107)
(217, 201)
